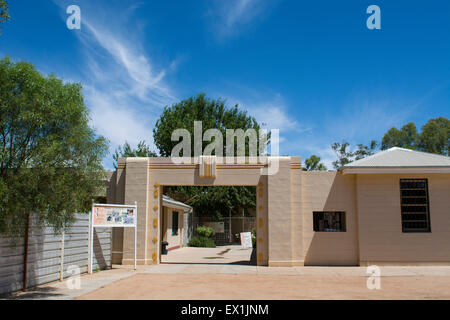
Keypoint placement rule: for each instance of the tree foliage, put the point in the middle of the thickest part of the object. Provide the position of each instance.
(407, 137)
(4, 12)
(345, 155)
(213, 114)
(142, 150)
(434, 137)
(215, 202)
(313, 164)
(50, 159)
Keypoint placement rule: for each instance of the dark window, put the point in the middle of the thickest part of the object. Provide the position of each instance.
(326, 221)
(414, 205)
(174, 223)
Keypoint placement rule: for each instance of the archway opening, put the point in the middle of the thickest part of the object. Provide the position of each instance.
(203, 225)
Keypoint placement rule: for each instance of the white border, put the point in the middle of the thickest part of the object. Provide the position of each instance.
(91, 230)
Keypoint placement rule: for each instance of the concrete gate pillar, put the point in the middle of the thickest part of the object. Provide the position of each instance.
(136, 189)
(285, 232)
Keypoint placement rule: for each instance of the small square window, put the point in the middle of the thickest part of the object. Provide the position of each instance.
(329, 221)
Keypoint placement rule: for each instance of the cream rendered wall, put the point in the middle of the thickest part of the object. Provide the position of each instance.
(380, 229)
(116, 195)
(173, 240)
(136, 186)
(329, 191)
(279, 204)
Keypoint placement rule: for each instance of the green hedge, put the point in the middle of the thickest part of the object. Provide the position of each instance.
(200, 241)
(203, 238)
(206, 232)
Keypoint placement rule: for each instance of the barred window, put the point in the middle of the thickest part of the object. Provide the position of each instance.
(415, 205)
(326, 221)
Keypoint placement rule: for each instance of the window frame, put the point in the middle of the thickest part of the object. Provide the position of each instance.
(177, 215)
(427, 204)
(342, 220)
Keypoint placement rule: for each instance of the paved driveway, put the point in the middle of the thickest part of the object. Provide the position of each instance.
(232, 254)
(200, 273)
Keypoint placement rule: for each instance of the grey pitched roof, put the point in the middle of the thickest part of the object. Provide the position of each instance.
(169, 200)
(401, 158)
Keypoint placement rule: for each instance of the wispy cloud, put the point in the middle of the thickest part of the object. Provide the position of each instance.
(124, 89)
(232, 16)
(271, 112)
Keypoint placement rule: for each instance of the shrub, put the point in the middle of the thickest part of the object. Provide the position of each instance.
(254, 237)
(201, 241)
(206, 232)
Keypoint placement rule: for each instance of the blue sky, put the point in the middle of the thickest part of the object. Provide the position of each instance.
(309, 68)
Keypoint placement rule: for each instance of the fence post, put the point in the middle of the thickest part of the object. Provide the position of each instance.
(25, 253)
(61, 268)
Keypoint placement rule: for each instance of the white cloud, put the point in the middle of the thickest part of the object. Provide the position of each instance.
(123, 88)
(231, 16)
(140, 78)
(273, 113)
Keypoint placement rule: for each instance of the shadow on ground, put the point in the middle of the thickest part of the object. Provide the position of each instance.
(251, 262)
(33, 293)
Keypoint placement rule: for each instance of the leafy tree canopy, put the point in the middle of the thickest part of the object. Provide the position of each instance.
(4, 12)
(216, 202)
(313, 164)
(434, 137)
(407, 137)
(214, 114)
(50, 159)
(142, 150)
(345, 155)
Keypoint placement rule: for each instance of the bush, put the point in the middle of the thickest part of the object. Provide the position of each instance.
(206, 232)
(254, 237)
(201, 241)
(203, 238)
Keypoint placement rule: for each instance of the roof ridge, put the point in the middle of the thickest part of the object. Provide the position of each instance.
(414, 156)
(371, 156)
(424, 152)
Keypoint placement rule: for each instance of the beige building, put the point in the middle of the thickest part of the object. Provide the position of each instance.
(389, 208)
(173, 222)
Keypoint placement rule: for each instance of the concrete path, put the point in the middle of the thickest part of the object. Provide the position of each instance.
(270, 286)
(232, 254)
(188, 273)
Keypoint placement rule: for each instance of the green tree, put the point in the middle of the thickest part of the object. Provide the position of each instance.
(124, 151)
(50, 159)
(363, 151)
(435, 136)
(345, 155)
(4, 12)
(214, 114)
(313, 164)
(216, 202)
(407, 137)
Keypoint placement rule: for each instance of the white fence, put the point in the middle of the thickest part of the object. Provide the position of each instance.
(46, 251)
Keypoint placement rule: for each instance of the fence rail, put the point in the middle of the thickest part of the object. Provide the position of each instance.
(46, 250)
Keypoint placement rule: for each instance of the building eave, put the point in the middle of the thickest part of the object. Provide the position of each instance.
(379, 170)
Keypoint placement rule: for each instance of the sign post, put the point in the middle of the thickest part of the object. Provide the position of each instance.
(111, 216)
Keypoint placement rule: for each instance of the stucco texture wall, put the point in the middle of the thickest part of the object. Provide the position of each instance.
(174, 240)
(329, 191)
(381, 238)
